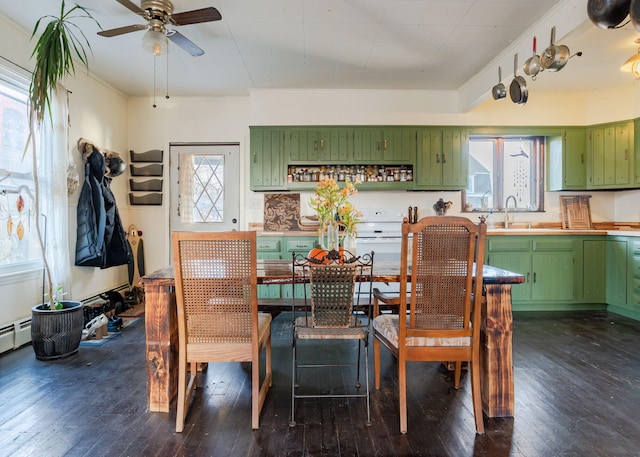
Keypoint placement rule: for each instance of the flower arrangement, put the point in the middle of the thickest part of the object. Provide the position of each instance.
(331, 205)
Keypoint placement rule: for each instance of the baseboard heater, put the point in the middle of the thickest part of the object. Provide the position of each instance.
(18, 333)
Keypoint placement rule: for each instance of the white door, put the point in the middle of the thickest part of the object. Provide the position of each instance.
(205, 187)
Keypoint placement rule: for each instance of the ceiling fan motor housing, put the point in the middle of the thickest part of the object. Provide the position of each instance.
(157, 9)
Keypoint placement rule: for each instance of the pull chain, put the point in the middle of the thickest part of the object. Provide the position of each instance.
(154, 81)
(167, 93)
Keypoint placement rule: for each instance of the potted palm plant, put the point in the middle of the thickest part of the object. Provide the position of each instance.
(56, 325)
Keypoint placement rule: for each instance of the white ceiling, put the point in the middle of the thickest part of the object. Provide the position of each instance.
(351, 44)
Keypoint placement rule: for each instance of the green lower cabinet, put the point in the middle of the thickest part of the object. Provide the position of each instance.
(547, 264)
(633, 269)
(513, 254)
(269, 248)
(616, 261)
(623, 276)
(282, 247)
(594, 270)
(299, 245)
(552, 276)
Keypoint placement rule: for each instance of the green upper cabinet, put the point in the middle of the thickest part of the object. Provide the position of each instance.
(268, 168)
(611, 157)
(567, 160)
(443, 159)
(384, 145)
(313, 145)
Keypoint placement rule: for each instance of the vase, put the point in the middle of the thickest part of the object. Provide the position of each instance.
(332, 237)
(350, 244)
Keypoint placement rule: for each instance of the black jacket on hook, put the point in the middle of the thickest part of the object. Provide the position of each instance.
(101, 240)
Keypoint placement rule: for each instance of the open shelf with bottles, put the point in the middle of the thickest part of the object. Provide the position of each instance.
(383, 177)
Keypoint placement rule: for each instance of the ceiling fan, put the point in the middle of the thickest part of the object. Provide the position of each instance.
(159, 14)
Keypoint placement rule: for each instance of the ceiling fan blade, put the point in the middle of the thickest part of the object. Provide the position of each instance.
(185, 43)
(122, 30)
(196, 16)
(132, 6)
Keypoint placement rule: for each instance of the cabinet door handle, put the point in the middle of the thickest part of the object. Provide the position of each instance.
(322, 144)
(534, 276)
(437, 158)
(626, 154)
(385, 144)
(378, 145)
(528, 276)
(315, 145)
(255, 157)
(444, 157)
(582, 158)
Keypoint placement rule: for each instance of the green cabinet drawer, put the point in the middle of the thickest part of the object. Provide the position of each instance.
(508, 244)
(302, 246)
(549, 244)
(268, 244)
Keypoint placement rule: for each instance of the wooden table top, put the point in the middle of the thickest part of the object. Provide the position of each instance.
(279, 272)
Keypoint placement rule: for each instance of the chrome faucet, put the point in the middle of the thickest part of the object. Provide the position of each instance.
(506, 209)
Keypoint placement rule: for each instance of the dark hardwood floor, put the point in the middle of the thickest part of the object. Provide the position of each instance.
(577, 385)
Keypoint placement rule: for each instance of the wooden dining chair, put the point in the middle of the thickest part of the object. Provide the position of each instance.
(218, 318)
(439, 319)
(339, 291)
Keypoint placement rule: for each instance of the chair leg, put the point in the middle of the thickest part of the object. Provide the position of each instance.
(476, 394)
(268, 360)
(255, 393)
(402, 394)
(184, 391)
(376, 361)
(358, 385)
(457, 374)
(182, 388)
(259, 391)
(366, 377)
(294, 383)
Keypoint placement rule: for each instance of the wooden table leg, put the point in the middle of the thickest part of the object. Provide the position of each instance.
(162, 346)
(496, 357)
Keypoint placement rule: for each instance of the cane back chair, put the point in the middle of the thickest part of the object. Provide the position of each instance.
(439, 319)
(335, 289)
(218, 319)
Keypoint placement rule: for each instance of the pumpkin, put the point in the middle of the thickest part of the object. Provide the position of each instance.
(318, 254)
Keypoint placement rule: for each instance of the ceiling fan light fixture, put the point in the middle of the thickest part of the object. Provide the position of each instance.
(632, 64)
(155, 42)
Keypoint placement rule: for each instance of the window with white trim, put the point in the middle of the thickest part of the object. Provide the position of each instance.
(19, 249)
(505, 168)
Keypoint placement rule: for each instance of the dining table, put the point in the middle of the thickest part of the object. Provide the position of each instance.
(496, 360)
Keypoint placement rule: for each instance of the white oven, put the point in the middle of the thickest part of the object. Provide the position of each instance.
(380, 231)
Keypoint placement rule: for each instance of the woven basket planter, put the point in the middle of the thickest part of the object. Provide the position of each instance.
(56, 334)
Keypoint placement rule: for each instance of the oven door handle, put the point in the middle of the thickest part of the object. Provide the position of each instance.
(384, 240)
